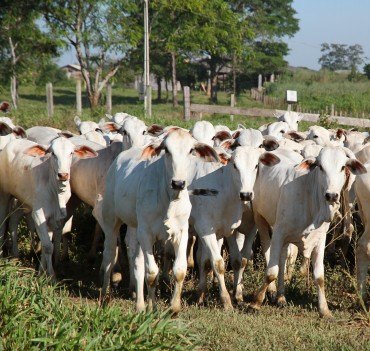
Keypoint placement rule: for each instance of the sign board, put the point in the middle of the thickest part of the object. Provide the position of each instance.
(291, 96)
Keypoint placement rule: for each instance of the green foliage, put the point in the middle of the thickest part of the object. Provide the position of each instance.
(341, 57)
(37, 315)
(367, 70)
(50, 73)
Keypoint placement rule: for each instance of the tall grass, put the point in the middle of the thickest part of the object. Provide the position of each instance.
(37, 315)
(318, 90)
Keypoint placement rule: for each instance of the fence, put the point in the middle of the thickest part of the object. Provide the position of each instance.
(197, 111)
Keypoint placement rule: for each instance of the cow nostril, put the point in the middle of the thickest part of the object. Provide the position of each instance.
(331, 197)
(63, 176)
(246, 196)
(178, 184)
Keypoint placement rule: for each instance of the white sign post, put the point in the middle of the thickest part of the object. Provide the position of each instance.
(291, 98)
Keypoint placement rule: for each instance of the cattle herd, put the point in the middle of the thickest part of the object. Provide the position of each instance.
(177, 187)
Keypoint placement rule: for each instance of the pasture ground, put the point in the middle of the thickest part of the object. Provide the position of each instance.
(34, 315)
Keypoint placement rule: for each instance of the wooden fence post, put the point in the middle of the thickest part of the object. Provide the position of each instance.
(332, 110)
(109, 98)
(272, 78)
(186, 103)
(260, 82)
(78, 97)
(232, 104)
(49, 99)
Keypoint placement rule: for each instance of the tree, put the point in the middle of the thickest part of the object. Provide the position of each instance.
(24, 45)
(100, 32)
(341, 56)
(367, 70)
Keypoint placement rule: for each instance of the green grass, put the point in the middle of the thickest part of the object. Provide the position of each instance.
(36, 315)
(318, 90)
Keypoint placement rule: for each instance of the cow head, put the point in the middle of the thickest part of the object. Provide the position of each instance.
(60, 153)
(277, 129)
(179, 147)
(9, 132)
(292, 118)
(85, 126)
(134, 133)
(331, 166)
(203, 131)
(245, 161)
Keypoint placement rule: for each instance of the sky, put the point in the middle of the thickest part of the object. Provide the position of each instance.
(330, 21)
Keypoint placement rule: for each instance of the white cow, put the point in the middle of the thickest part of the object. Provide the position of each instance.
(216, 218)
(325, 137)
(362, 189)
(292, 118)
(39, 179)
(299, 203)
(204, 132)
(152, 197)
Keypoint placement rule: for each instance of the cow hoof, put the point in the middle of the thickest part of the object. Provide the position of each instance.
(327, 316)
(271, 296)
(281, 301)
(253, 308)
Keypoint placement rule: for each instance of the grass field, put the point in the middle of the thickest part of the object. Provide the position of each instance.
(36, 315)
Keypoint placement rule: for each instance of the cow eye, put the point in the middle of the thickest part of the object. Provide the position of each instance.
(166, 150)
(256, 166)
(124, 132)
(235, 166)
(315, 136)
(191, 151)
(321, 169)
(343, 167)
(144, 132)
(282, 131)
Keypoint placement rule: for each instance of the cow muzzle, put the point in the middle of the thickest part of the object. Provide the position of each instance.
(246, 196)
(63, 176)
(178, 184)
(332, 197)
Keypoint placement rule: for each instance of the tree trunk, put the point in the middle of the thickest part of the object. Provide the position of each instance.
(159, 91)
(166, 90)
(13, 91)
(94, 98)
(209, 84)
(234, 75)
(13, 80)
(175, 103)
(213, 84)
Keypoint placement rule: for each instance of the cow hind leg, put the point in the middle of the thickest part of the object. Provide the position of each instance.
(280, 300)
(4, 208)
(15, 218)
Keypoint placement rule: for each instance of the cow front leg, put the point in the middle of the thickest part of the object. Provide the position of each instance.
(212, 249)
(362, 262)
(145, 240)
(281, 301)
(138, 271)
(238, 265)
(272, 270)
(131, 245)
(179, 268)
(46, 237)
(318, 274)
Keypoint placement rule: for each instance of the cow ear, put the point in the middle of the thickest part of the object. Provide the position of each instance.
(77, 121)
(355, 166)
(108, 116)
(236, 134)
(5, 129)
(222, 135)
(84, 152)
(19, 132)
(270, 143)
(36, 151)
(155, 129)
(151, 150)
(110, 127)
(292, 134)
(241, 126)
(224, 157)
(229, 144)
(65, 134)
(206, 152)
(102, 121)
(308, 164)
(341, 133)
(269, 159)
